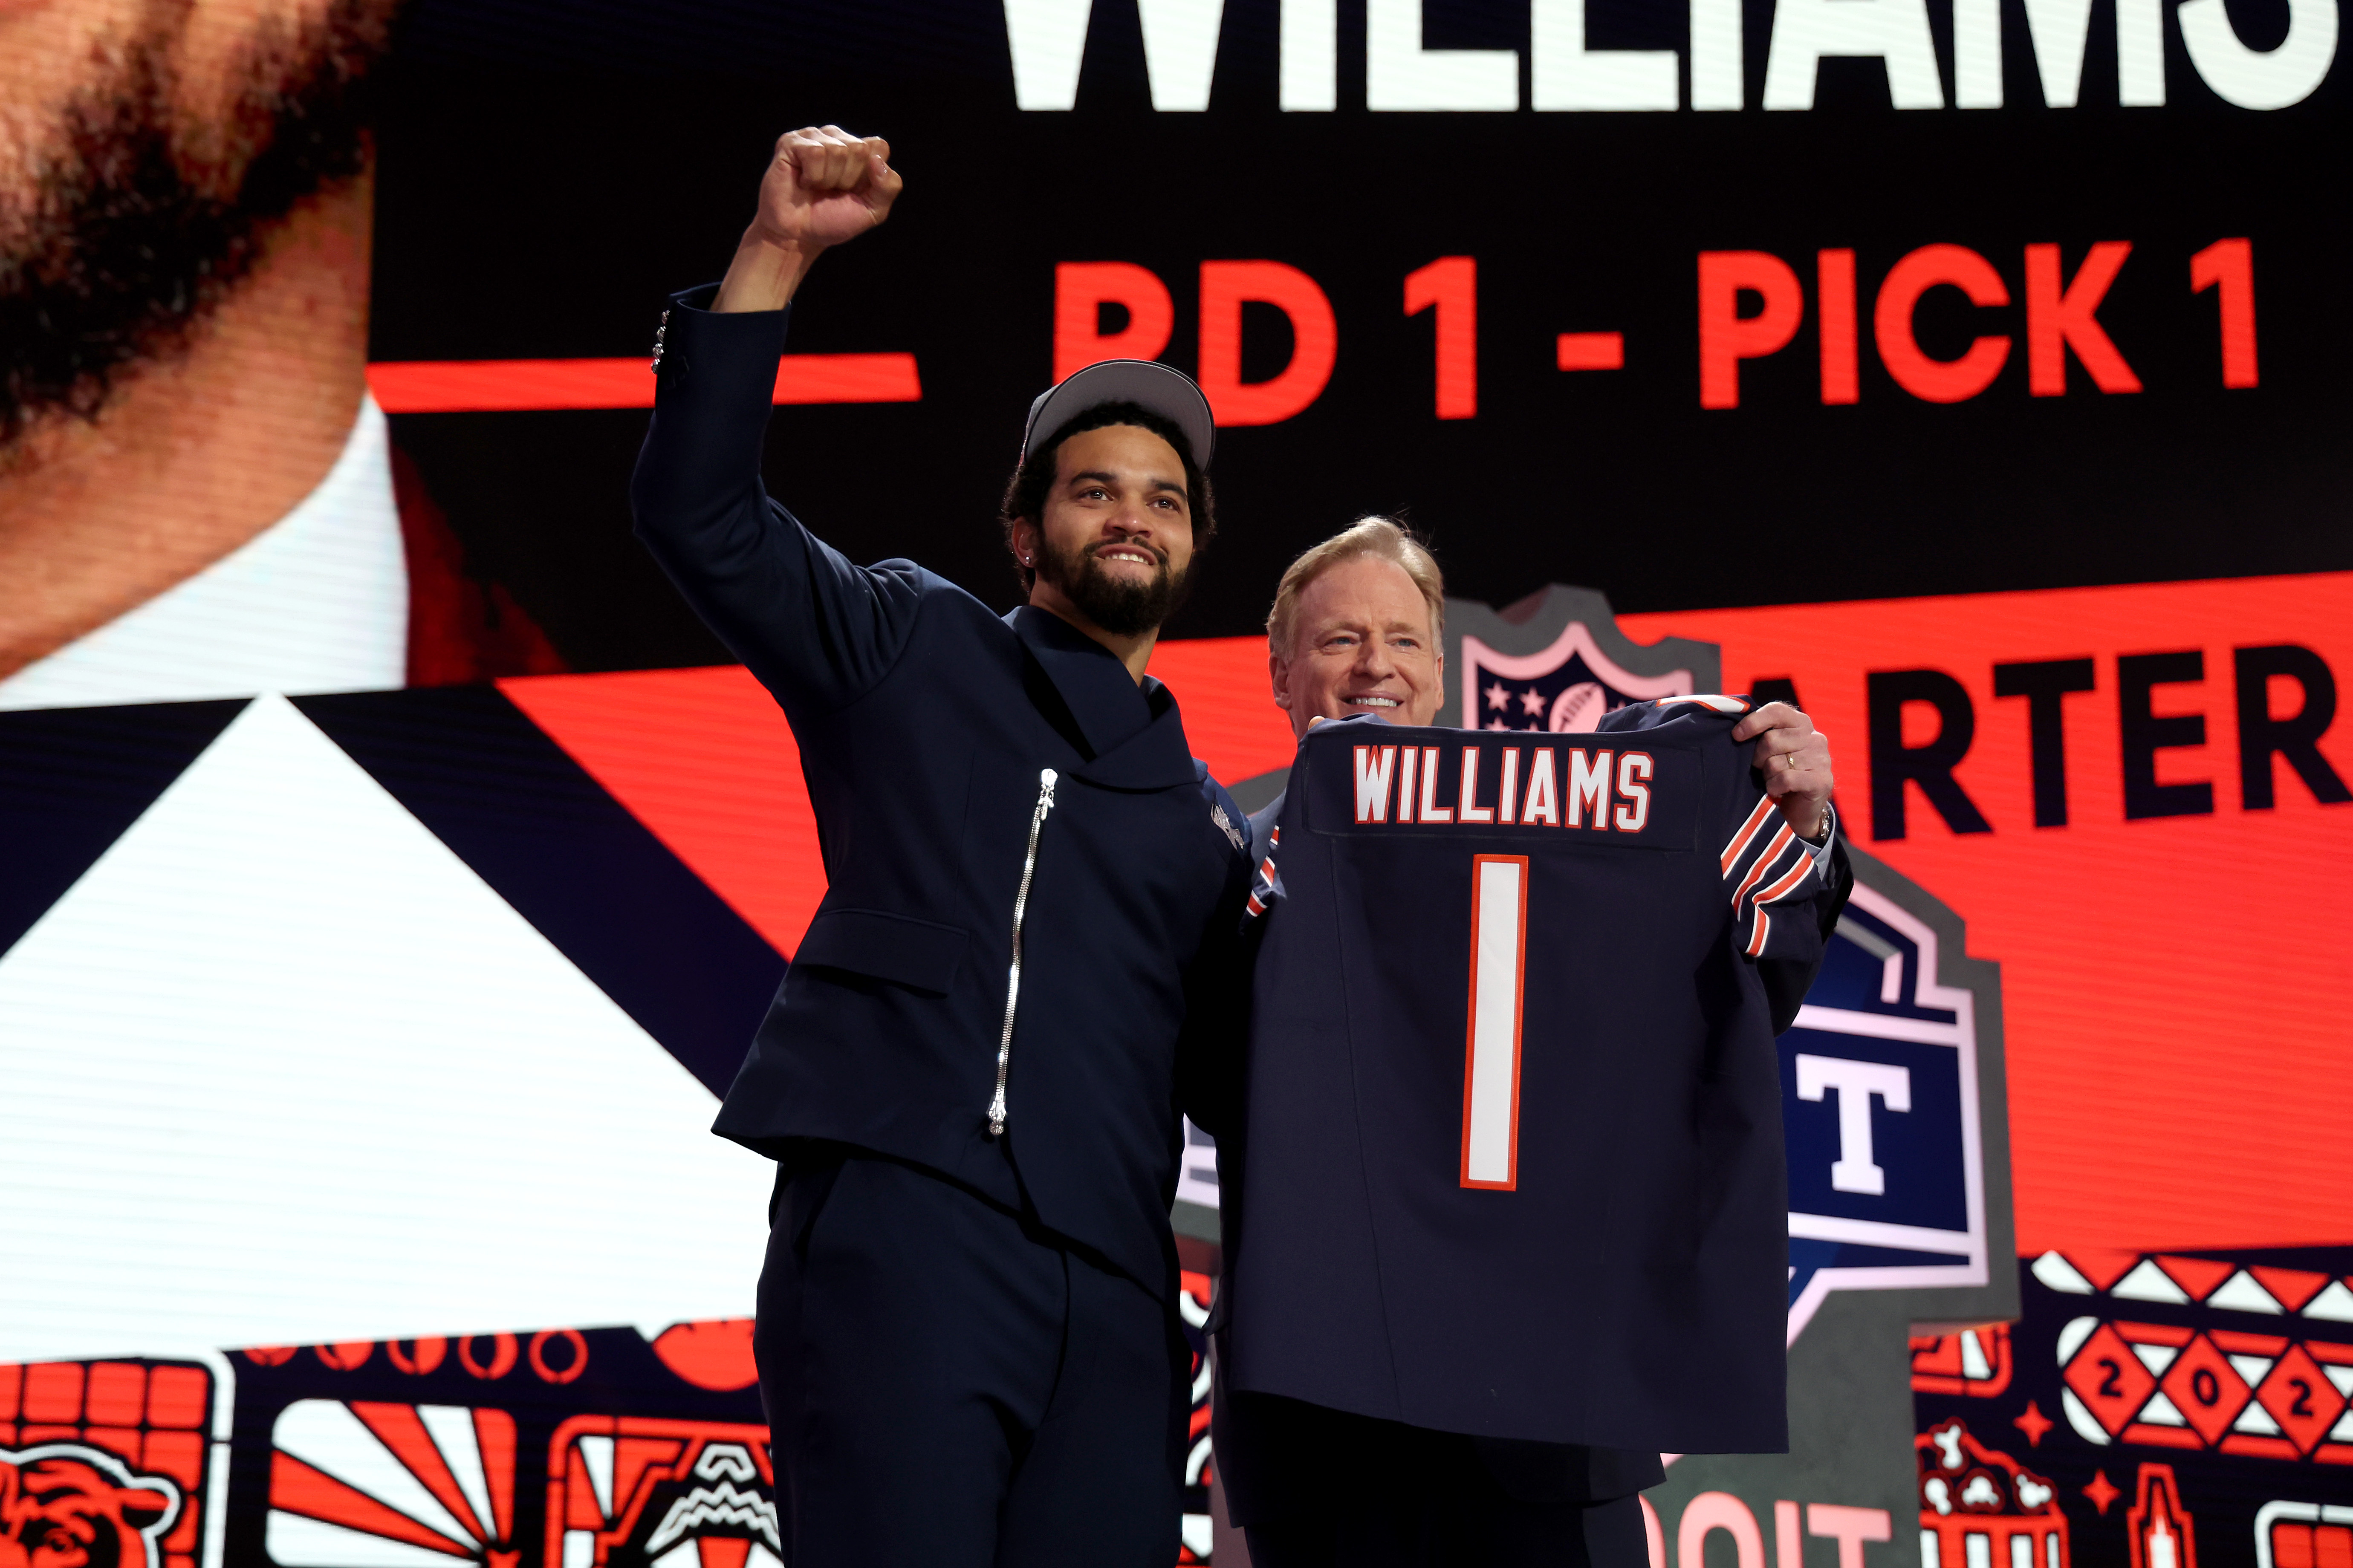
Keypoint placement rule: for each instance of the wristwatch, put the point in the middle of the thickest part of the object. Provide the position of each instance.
(1830, 826)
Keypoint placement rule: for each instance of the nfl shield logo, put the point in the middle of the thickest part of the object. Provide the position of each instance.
(1565, 689)
(1556, 662)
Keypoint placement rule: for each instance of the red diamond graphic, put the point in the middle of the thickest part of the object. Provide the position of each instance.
(2303, 1401)
(2206, 1389)
(2109, 1379)
(2292, 1286)
(2199, 1275)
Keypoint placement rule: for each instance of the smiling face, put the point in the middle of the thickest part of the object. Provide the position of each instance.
(1116, 538)
(1360, 643)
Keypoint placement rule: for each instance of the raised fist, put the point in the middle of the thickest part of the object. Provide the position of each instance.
(824, 187)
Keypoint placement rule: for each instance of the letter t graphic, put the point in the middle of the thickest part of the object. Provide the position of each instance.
(1854, 1083)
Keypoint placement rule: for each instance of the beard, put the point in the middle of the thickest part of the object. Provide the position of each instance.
(136, 223)
(1121, 607)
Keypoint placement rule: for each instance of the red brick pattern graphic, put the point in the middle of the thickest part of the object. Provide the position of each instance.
(149, 1414)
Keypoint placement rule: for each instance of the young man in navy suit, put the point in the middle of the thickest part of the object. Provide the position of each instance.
(1356, 630)
(968, 1346)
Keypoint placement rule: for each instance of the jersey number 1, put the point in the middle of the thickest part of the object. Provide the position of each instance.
(1491, 1056)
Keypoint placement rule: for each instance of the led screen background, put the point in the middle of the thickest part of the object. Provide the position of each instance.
(2176, 1059)
(292, 914)
(650, 128)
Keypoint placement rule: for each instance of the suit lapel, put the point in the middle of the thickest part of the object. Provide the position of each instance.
(1102, 697)
(1135, 740)
(1154, 757)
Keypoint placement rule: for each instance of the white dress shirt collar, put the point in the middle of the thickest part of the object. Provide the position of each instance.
(317, 602)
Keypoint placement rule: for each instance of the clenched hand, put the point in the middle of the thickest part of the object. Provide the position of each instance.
(823, 187)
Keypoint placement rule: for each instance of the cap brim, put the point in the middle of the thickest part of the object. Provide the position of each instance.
(1162, 389)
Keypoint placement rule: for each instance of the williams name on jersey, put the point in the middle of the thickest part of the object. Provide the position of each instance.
(1512, 1161)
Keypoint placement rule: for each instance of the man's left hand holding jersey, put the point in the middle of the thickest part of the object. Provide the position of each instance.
(1794, 759)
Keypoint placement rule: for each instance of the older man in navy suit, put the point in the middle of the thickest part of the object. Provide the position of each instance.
(971, 1078)
(1355, 632)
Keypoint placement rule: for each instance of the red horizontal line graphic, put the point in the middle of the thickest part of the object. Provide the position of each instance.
(1592, 351)
(517, 385)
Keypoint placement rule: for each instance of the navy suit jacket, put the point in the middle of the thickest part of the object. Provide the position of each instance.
(925, 722)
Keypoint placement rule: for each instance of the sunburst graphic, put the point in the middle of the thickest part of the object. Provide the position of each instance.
(365, 1484)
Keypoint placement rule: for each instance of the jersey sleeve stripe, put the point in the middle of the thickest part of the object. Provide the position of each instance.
(1799, 869)
(1788, 882)
(1764, 863)
(1748, 831)
(1264, 883)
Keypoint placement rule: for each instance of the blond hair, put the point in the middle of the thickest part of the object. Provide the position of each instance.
(1381, 538)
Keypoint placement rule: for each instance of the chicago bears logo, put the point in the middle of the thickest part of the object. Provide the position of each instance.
(64, 1505)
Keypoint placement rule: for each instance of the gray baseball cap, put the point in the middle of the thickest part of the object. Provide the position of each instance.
(1163, 389)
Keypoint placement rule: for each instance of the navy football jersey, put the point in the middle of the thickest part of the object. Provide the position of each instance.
(1510, 1162)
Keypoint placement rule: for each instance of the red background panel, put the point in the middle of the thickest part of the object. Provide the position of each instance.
(2180, 1061)
(1222, 688)
(705, 760)
(2176, 989)
(480, 386)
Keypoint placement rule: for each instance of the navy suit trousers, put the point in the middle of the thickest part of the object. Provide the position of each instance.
(949, 1386)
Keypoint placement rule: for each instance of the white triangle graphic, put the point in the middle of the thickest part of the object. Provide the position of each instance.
(2148, 1282)
(284, 1070)
(598, 1454)
(2240, 1292)
(2256, 1419)
(2057, 1274)
(2334, 1303)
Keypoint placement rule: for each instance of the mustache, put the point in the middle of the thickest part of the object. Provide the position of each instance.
(1117, 605)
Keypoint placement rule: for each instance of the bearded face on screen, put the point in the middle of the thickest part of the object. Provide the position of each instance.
(146, 149)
